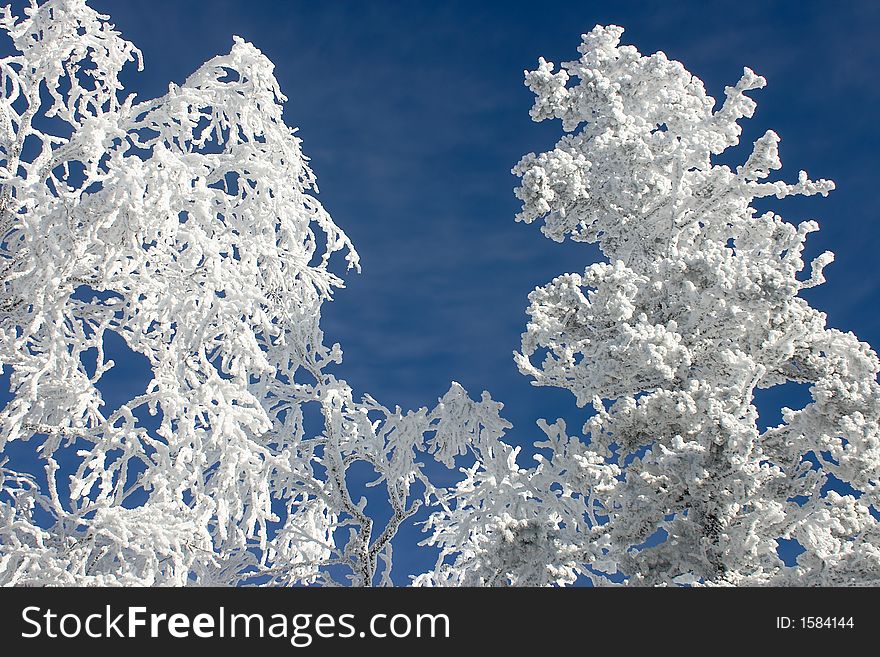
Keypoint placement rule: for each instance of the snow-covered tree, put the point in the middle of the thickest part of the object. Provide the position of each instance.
(697, 308)
(186, 225)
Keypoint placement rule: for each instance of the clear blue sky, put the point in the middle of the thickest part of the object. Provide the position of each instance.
(413, 114)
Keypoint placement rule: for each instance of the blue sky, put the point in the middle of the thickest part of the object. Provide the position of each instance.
(413, 114)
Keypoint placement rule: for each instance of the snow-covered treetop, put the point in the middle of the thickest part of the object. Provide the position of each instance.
(636, 161)
(635, 176)
(698, 307)
(187, 226)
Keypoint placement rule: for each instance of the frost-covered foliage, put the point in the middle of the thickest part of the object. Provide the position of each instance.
(697, 307)
(186, 226)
